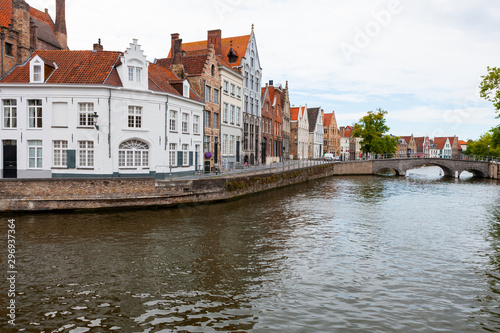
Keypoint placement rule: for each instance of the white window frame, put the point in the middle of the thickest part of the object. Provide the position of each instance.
(172, 154)
(226, 87)
(35, 154)
(134, 119)
(224, 112)
(60, 153)
(231, 115)
(85, 154)
(233, 89)
(238, 92)
(185, 154)
(133, 154)
(196, 124)
(224, 144)
(35, 113)
(85, 114)
(9, 113)
(185, 123)
(208, 94)
(173, 121)
(238, 115)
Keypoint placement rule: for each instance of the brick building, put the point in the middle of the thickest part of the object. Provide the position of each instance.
(331, 135)
(272, 123)
(24, 29)
(201, 68)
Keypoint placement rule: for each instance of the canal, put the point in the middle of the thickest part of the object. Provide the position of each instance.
(344, 254)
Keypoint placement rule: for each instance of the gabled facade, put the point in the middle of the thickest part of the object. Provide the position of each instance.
(24, 29)
(443, 147)
(299, 133)
(98, 114)
(241, 54)
(285, 102)
(315, 117)
(423, 146)
(331, 135)
(272, 123)
(201, 68)
(407, 147)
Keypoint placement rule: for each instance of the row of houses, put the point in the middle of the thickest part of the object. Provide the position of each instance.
(424, 147)
(201, 108)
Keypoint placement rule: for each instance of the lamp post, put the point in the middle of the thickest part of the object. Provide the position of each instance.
(95, 116)
(488, 158)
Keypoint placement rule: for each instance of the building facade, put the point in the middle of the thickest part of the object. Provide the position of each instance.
(285, 102)
(315, 117)
(98, 114)
(24, 29)
(331, 135)
(299, 133)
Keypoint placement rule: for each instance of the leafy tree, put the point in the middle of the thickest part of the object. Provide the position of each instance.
(371, 129)
(486, 145)
(489, 87)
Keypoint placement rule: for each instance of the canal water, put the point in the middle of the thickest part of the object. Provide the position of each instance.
(344, 254)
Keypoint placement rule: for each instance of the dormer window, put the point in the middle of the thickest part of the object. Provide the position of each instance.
(185, 89)
(134, 74)
(36, 70)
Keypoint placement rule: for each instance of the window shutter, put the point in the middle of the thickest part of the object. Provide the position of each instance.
(179, 158)
(71, 154)
(190, 158)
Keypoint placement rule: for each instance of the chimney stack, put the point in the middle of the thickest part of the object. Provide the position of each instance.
(215, 38)
(172, 43)
(60, 25)
(177, 52)
(98, 46)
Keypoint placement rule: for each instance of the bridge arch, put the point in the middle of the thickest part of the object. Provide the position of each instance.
(380, 171)
(475, 172)
(447, 172)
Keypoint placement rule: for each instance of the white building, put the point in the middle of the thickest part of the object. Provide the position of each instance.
(97, 114)
(299, 133)
(344, 148)
(316, 135)
(231, 114)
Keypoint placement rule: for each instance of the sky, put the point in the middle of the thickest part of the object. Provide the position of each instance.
(421, 61)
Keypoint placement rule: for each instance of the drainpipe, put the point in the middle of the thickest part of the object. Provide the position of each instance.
(109, 124)
(2, 39)
(166, 123)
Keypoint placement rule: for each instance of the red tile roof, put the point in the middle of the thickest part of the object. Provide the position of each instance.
(440, 142)
(5, 12)
(42, 16)
(462, 142)
(294, 114)
(194, 62)
(327, 119)
(239, 45)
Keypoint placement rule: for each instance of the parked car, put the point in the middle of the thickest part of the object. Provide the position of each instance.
(328, 157)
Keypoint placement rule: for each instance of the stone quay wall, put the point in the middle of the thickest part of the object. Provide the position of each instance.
(24, 195)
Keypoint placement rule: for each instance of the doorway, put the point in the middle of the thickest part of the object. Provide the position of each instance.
(9, 159)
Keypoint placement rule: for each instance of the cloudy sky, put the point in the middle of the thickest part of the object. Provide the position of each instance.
(422, 61)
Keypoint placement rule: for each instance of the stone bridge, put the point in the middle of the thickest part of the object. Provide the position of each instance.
(451, 167)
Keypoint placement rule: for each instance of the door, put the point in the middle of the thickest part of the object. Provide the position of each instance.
(237, 152)
(9, 159)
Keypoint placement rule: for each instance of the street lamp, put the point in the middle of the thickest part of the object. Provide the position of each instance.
(95, 116)
(488, 158)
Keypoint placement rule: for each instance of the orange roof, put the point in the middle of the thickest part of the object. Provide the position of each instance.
(294, 113)
(239, 45)
(327, 119)
(5, 12)
(440, 142)
(42, 16)
(194, 62)
(462, 142)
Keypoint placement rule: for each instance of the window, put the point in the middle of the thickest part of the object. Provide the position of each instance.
(208, 93)
(216, 96)
(231, 115)
(238, 115)
(233, 88)
(85, 114)
(224, 144)
(37, 73)
(85, 154)
(257, 87)
(238, 92)
(226, 87)
(231, 144)
(60, 153)
(207, 119)
(35, 113)
(216, 120)
(171, 153)
(213, 70)
(185, 154)
(35, 154)
(134, 73)
(196, 124)
(173, 116)
(59, 114)
(9, 113)
(8, 49)
(134, 116)
(138, 74)
(131, 73)
(185, 122)
(133, 154)
(224, 113)
(206, 143)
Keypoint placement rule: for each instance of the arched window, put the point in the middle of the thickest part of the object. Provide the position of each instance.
(133, 154)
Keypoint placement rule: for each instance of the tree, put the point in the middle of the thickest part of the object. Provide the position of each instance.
(371, 129)
(489, 87)
(487, 145)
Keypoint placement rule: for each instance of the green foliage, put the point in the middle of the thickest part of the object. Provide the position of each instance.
(371, 129)
(487, 145)
(489, 87)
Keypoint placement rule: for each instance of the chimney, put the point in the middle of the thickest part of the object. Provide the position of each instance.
(172, 43)
(214, 38)
(98, 46)
(177, 53)
(60, 25)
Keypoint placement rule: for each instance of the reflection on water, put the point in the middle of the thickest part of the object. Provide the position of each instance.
(358, 254)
